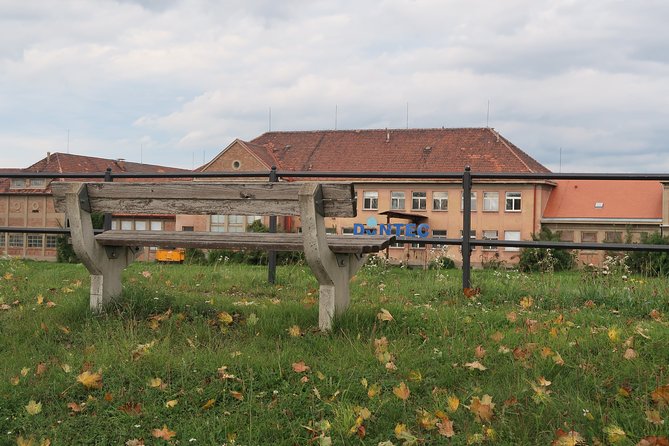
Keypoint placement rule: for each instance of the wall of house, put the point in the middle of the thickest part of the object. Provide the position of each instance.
(234, 154)
(29, 211)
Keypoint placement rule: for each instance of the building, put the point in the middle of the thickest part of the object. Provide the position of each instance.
(508, 210)
(27, 203)
(609, 211)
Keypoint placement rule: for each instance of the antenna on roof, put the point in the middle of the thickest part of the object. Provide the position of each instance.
(487, 116)
(68, 140)
(407, 115)
(193, 160)
(560, 160)
(203, 156)
(335, 116)
(141, 154)
(270, 120)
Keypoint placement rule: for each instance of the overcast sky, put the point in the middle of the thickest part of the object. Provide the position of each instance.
(173, 82)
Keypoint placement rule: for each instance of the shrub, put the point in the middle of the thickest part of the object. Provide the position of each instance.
(195, 256)
(441, 262)
(650, 263)
(546, 259)
(64, 250)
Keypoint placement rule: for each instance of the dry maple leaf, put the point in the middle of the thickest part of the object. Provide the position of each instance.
(453, 403)
(482, 408)
(40, 369)
(223, 373)
(479, 351)
(209, 404)
(135, 442)
(237, 395)
(497, 336)
(446, 428)
(90, 380)
(653, 441)
(33, 408)
(14, 380)
(653, 416)
(402, 391)
(415, 376)
(571, 438)
(630, 354)
(20, 441)
(374, 390)
(300, 367)
(157, 383)
(475, 366)
(384, 315)
(74, 407)
(163, 433)
(40, 299)
(295, 331)
(526, 302)
(131, 408)
(471, 292)
(614, 433)
(655, 315)
(661, 395)
(171, 403)
(225, 318)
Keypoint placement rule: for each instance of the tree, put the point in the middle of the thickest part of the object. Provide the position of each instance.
(546, 259)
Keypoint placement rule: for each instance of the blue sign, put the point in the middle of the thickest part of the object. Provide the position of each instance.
(410, 230)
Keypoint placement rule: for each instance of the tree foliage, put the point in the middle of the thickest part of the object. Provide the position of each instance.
(546, 259)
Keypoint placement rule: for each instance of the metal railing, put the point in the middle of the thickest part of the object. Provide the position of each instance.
(466, 178)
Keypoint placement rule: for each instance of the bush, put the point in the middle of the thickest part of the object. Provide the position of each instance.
(441, 262)
(195, 256)
(64, 250)
(650, 263)
(546, 259)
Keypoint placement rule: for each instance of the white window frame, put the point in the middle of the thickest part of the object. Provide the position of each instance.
(437, 234)
(513, 202)
(511, 236)
(16, 238)
(490, 234)
(37, 183)
(34, 241)
(140, 225)
(51, 241)
(17, 183)
(397, 200)
(418, 200)
(370, 200)
(491, 201)
(156, 225)
(440, 201)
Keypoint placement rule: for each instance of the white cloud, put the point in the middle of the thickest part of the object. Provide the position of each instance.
(185, 76)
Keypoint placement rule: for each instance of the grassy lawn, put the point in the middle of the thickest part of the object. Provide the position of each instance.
(208, 355)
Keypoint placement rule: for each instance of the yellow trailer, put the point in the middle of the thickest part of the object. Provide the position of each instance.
(167, 255)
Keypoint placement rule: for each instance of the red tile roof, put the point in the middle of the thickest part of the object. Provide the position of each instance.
(577, 199)
(393, 150)
(69, 163)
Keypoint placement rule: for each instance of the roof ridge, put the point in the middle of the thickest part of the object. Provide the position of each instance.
(511, 149)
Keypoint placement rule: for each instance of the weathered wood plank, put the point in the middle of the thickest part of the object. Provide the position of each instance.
(340, 244)
(207, 198)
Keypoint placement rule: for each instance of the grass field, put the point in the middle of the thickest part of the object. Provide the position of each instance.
(213, 355)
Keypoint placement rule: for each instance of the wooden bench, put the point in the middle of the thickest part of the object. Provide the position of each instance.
(333, 259)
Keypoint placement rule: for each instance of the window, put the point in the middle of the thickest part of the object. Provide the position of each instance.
(490, 235)
(462, 202)
(437, 234)
(126, 225)
(566, 236)
(440, 201)
(613, 237)
(236, 164)
(140, 226)
(16, 240)
(370, 200)
(51, 241)
(397, 200)
(156, 225)
(250, 219)
(114, 225)
(419, 201)
(192, 228)
(513, 202)
(2, 239)
(588, 237)
(491, 201)
(236, 223)
(330, 230)
(35, 240)
(217, 223)
(17, 183)
(514, 236)
(347, 231)
(397, 234)
(37, 183)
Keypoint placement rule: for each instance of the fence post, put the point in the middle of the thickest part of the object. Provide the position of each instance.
(271, 255)
(107, 223)
(466, 227)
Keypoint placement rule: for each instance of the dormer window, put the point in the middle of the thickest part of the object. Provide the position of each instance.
(17, 183)
(37, 183)
(599, 205)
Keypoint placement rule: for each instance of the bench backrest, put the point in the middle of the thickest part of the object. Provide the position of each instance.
(207, 198)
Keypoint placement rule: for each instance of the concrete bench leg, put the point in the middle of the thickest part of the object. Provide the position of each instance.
(105, 267)
(334, 272)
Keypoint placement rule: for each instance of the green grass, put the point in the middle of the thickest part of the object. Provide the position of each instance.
(590, 321)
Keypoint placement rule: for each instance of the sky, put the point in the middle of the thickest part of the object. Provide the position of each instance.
(581, 86)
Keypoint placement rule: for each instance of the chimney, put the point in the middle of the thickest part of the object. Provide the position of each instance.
(387, 135)
(121, 163)
(48, 157)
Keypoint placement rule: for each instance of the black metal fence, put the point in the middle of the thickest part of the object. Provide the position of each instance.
(466, 178)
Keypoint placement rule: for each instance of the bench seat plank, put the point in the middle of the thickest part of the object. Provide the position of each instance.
(339, 244)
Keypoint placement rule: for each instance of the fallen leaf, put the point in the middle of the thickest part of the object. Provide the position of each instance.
(300, 367)
(141, 350)
(384, 315)
(157, 383)
(14, 380)
(415, 376)
(209, 404)
(614, 433)
(526, 302)
(571, 438)
(163, 433)
(613, 334)
(108, 397)
(33, 408)
(25, 371)
(131, 408)
(74, 407)
(402, 391)
(40, 369)
(661, 395)
(374, 390)
(475, 366)
(446, 428)
(223, 373)
(453, 403)
(497, 336)
(134, 442)
(653, 416)
(295, 331)
(237, 395)
(543, 381)
(630, 354)
(655, 315)
(90, 380)
(479, 351)
(512, 317)
(304, 379)
(40, 299)
(471, 292)
(653, 441)
(171, 403)
(225, 318)
(20, 441)
(482, 408)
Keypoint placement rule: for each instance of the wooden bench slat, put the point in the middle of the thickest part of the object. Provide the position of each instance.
(208, 198)
(340, 244)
